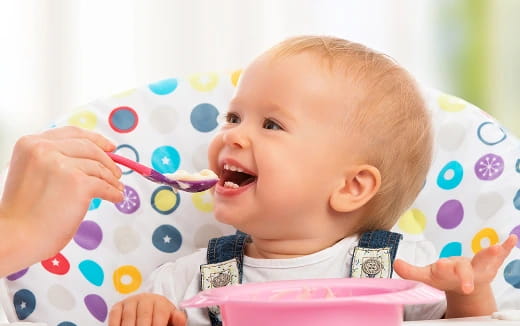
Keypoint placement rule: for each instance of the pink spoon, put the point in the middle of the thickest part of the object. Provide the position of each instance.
(157, 177)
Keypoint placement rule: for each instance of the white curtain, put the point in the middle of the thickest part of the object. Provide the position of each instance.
(59, 54)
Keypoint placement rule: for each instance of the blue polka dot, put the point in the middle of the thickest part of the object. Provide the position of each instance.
(204, 117)
(516, 200)
(518, 165)
(66, 323)
(167, 238)
(24, 303)
(166, 159)
(92, 272)
(512, 273)
(94, 204)
(448, 182)
(164, 87)
(491, 133)
(451, 249)
(123, 119)
(130, 152)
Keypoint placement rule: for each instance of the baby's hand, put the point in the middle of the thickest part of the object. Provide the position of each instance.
(146, 309)
(460, 275)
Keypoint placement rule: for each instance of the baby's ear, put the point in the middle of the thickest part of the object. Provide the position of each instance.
(357, 187)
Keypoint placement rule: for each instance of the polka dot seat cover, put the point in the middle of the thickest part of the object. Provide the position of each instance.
(471, 198)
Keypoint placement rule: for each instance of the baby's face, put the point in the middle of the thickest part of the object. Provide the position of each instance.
(282, 149)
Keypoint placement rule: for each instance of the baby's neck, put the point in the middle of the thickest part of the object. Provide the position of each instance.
(286, 248)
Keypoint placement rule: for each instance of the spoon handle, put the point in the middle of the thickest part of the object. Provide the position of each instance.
(139, 168)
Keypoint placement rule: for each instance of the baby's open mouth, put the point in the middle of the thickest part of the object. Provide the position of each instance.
(235, 177)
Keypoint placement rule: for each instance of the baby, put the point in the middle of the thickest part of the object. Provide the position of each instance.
(324, 145)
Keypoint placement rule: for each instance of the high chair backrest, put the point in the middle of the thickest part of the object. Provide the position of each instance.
(471, 198)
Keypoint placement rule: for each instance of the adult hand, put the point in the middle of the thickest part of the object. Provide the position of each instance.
(51, 181)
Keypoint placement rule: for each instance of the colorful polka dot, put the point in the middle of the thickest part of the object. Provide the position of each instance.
(451, 249)
(235, 76)
(487, 234)
(166, 159)
(516, 231)
(94, 204)
(203, 201)
(127, 279)
(66, 323)
(167, 238)
(17, 275)
(489, 167)
(412, 221)
(164, 87)
(164, 200)
(126, 239)
(92, 272)
(129, 152)
(123, 119)
(451, 103)
(124, 94)
(84, 119)
(89, 235)
(512, 273)
(61, 297)
(450, 176)
(204, 82)
(450, 214)
(204, 117)
(131, 201)
(518, 165)
(516, 200)
(491, 133)
(24, 303)
(96, 306)
(58, 264)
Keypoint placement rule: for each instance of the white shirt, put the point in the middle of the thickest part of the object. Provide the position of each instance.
(180, 280)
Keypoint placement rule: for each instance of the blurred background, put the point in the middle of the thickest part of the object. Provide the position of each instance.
(59, 54)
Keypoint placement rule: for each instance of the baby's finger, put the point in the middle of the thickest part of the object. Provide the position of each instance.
(464, 272)
(69, 132)
(411, 272)
(129, 313)
(144, 313)
(114, 317)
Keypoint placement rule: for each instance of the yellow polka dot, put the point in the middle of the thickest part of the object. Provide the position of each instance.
(123, 94)
(412, 221)
(204, 82)
(487, 233)
(127, 279)
(165, 200)
(203, 201)
(235, 76)
(83, 119)
(451, 103)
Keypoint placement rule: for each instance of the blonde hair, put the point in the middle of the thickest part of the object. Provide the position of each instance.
(386, 109)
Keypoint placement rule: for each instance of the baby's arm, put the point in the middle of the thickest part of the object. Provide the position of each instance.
(146, 309)
(467, 282)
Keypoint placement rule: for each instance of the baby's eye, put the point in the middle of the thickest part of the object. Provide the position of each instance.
(272, 125)
(232, 118)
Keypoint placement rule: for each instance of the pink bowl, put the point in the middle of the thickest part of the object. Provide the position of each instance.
(331, 302)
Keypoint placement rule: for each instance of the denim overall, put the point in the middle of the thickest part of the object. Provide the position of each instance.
(372, 258)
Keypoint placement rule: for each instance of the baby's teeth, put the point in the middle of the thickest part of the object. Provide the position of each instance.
(230, 184)
(232, 168)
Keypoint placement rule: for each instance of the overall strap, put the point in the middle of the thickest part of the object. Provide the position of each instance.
(375, 254)
(225, 257)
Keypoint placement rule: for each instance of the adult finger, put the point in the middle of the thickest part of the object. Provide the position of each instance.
(178, 318)
(145, 311)
(101, 189)
(96, 169)
(129, 313)
(68, 132)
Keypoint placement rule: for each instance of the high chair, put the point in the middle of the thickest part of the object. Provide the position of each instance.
(471, 198)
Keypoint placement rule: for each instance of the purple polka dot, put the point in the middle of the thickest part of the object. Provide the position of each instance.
(131, 201)
(89, 235)
(489, 167)
(97, 306)
(516, 231)
(450, 214)
(17, 275)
